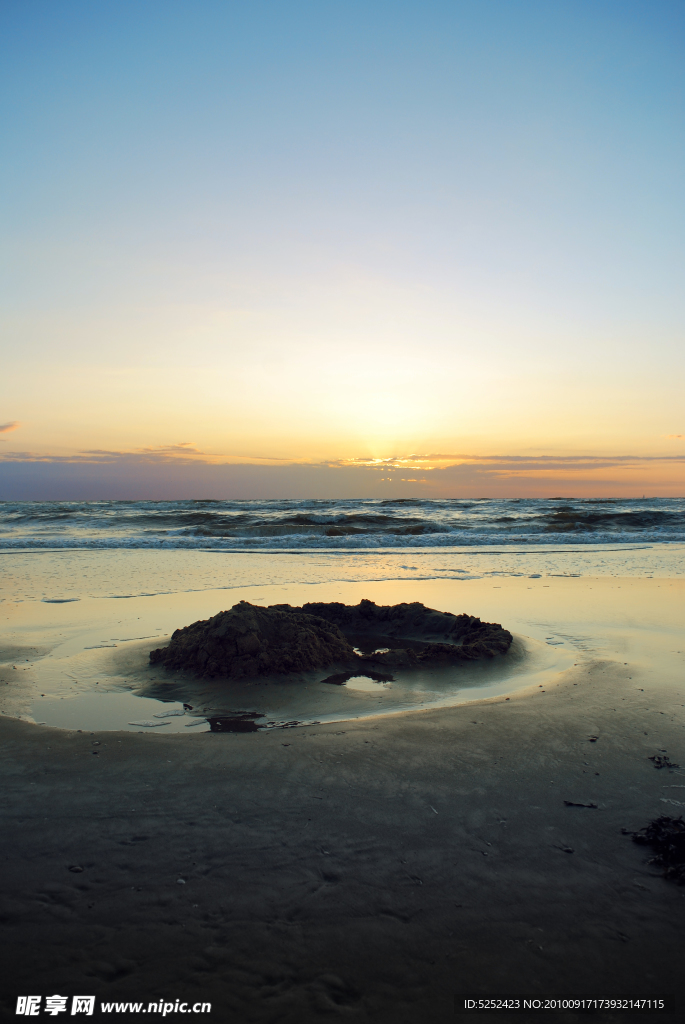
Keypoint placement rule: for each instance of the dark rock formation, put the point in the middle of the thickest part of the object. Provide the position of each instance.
(443, 630)
(252, 641)
(249, 641)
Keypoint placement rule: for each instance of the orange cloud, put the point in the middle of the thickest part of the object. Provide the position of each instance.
(181, 448)
(105, 474)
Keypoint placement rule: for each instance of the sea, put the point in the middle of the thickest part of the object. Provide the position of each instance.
(112, 548)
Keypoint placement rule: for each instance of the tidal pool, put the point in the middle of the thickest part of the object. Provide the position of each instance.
(89, 686)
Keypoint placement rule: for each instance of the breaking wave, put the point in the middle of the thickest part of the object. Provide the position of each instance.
(332, 525)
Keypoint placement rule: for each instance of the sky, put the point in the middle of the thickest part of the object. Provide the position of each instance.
(338, 248)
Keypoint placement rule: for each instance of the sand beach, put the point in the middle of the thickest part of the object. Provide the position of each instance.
(367, 869)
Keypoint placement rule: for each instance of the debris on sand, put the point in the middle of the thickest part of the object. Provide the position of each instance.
(662, 762)
(248, 641)
(149, 725)
(240, 721)
(667, 836)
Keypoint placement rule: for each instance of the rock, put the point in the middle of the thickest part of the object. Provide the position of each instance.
(444, 631)
(248, 641)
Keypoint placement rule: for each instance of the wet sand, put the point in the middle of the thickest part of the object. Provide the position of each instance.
(370, 869)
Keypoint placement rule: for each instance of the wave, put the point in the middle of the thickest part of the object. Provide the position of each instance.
(346, 524)
(292, 542)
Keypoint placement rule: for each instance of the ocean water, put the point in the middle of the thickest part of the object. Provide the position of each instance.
(67, 551)
(338, 525)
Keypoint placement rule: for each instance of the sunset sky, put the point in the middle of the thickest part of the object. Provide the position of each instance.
(341, 248)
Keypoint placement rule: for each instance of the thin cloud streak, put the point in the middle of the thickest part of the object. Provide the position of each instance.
(498, 463)
(167, 474)
(185, 449)
(541, 461)
(5, 428)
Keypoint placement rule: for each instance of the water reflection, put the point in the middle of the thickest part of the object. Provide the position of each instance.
(367, 684)
(100, 688)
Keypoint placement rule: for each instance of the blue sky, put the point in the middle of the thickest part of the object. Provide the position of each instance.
(325, 231)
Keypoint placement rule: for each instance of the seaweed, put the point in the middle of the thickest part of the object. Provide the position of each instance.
(662, 762)
(667, 836)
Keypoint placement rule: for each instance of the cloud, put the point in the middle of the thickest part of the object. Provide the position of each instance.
(505, 462)
(433, 467)
(675, 437)
(185, 454)
(181, 448)
(165, 473)
(183, 451)
(5, 428)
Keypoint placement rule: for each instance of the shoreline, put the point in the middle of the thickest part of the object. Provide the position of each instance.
(78, 574)
(374, 868)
